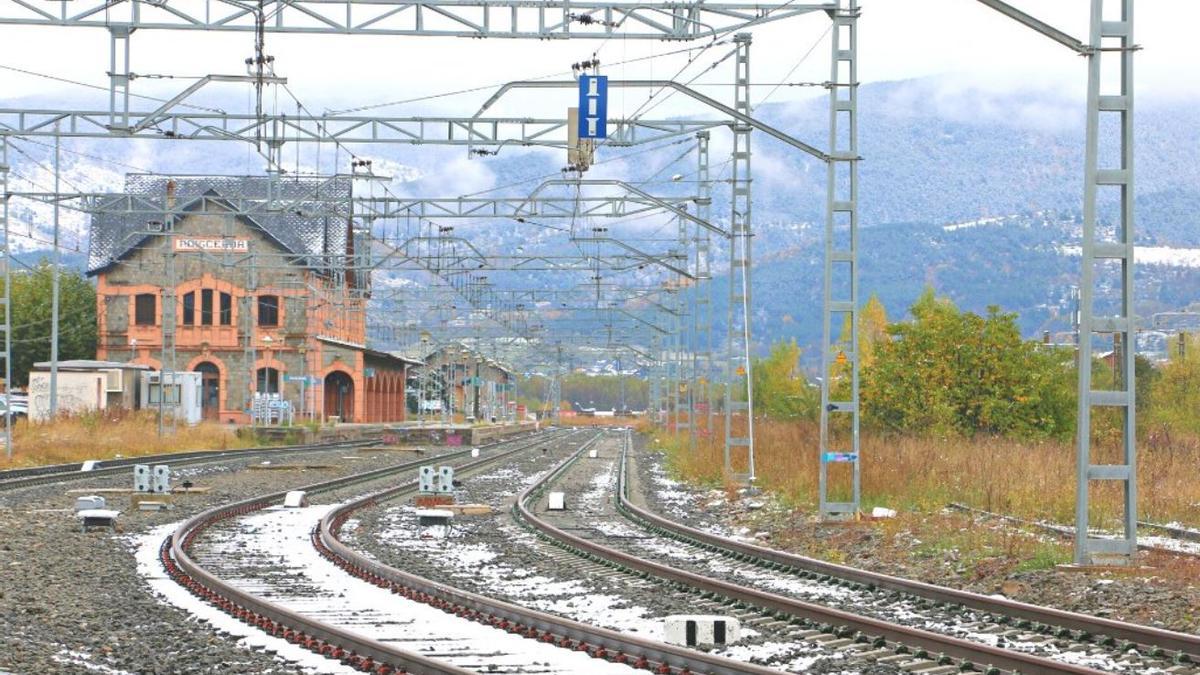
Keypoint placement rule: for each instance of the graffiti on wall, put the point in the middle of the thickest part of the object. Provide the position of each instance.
(77, 392)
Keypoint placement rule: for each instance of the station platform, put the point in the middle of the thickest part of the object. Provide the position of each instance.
(403, 433)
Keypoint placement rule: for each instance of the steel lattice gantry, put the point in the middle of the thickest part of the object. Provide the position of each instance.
(1114, 37)
(840, 362)
(542, 20)
(739, 392)
(465, 18)
(702, 296)
(1109, 114)
(200, 125)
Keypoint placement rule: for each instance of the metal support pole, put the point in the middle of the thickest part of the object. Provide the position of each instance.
(7, 299)
(166, 370)
(55, 262)
(685, 413)
(739, 395)
(1108, 37)
(704, 286)
(841, 262)
(556, 388)
(119, 77)
(654, 406)
(672, 362)
(249, 352)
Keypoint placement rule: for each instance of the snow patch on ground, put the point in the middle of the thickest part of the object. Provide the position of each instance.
(84, 660)
(146, 548)
(481, 562)
(1152, 255)
(966, 225)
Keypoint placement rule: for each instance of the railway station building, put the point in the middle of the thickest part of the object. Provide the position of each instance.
(471, 384)
(253, 282)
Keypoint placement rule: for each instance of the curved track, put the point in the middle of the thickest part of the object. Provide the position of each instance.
(321, 637)
(874, 640)
(597, 642)
(1169, 649)
(883, 636)
(13, 479)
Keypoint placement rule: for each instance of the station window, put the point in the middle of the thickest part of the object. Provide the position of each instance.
(206, 307)
(226, 309)
(189, 309)
(268, 381)
(268, 310)
(145, 308)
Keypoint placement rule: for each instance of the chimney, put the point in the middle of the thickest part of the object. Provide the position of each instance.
(170, 194)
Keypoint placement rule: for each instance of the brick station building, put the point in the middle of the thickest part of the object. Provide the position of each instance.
(259, 294)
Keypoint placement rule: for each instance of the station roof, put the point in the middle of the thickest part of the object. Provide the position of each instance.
(306, 216)
(373, 353)
(89, 364)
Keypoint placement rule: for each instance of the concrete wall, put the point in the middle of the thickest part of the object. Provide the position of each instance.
(77, 392)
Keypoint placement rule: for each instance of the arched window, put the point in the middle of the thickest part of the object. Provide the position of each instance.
(268, 381)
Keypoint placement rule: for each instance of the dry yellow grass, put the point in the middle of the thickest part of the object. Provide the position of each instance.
(103, 436)
(581, 421)
(1027, 479)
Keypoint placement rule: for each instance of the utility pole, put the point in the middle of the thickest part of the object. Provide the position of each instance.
(1111, 35)
(839, 440)
(7, 299)
(166, 371)
(1091, 550)
(738, 378)
(704, 284)
(54, 285)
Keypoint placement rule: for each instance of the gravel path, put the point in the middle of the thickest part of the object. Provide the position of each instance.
(73, 602)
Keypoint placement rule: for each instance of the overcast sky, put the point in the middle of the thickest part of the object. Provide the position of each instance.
(899, 39)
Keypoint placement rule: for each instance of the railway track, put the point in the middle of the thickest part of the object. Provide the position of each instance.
(873, 640)
(1132, 647)
(742, 588)
(14, 479)
(324, 637)
(606, 645)
(1176, 541)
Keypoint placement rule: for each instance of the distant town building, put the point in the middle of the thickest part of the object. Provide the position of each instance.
(260, 296)
(468, 383)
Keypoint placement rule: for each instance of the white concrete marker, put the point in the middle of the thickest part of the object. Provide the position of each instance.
(295, 499)
(689, 630)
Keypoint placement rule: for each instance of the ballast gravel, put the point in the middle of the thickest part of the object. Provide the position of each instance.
(72, 601)
(1164, 593)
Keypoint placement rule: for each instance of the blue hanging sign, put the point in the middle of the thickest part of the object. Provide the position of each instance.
(840, 457)
(593, 106)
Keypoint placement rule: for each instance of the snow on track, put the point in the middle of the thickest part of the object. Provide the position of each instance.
(270, 554)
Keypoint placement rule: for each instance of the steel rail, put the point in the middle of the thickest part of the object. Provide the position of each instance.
(1068, 532)
(12, 479)
(1145, 635)
(598, 642)
(965, 651)
(347, 646)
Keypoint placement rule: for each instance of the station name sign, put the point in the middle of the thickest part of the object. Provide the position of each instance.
(211, 244)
